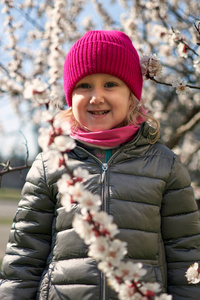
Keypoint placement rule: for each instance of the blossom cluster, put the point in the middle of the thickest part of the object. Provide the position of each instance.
(37, 91)
(180, 85)
(150, 66)
(55, 138)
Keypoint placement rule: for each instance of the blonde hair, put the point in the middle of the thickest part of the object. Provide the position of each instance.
(135, 111)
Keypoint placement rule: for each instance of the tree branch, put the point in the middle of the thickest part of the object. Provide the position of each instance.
(183, 129)
(183, 42)
(7, 167)
(188, 126)
(169, 84)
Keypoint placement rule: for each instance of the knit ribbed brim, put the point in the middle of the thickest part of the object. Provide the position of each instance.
(105, 52)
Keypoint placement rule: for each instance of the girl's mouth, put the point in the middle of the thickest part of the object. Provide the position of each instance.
(102, 112)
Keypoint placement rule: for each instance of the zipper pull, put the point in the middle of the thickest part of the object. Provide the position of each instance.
(104, 168)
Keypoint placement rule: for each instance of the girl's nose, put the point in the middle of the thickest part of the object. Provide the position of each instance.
(96, 97)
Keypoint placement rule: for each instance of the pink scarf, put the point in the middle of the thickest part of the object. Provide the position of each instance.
(109, 138)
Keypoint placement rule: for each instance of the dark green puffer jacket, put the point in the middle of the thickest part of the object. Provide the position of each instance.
(148, 192)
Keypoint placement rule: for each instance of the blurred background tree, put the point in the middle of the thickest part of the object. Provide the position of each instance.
(35, 38)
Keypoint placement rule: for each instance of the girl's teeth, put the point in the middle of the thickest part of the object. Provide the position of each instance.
(99, 112)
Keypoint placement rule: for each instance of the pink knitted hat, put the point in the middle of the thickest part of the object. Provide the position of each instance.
(107, 52)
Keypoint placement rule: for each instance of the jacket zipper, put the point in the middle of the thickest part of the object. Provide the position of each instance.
(103, 181)
(104, 166)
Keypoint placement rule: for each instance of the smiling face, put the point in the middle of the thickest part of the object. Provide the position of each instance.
(100, 102)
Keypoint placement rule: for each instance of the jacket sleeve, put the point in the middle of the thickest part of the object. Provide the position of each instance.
(181, 232)
(30, 238)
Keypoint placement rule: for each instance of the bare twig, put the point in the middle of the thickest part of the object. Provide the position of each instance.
(7, 167)
(197, 27)
(183, 129)
(4, 68)
(26, 145)
(188, 126)
(189, 156)
(169, 84)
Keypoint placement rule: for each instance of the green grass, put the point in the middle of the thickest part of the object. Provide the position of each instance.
(6, 221)
(10, 194)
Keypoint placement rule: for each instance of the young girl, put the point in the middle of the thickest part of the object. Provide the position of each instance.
(142, 183)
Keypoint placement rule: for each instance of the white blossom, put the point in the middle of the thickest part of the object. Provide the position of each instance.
(192, 274)
(63, 183)
(80, 174)
(196, 64)
(44, 139)
(99, 248)
(117, 250)
(160, 32)
(126, 292)
(106, 223)
(150, 65)
(47, 116)
(36, 90)
(67, 201)
(61, 127)
(180, 86)
(150, 288)
(56, 96)
(83, 228)
(64, 143)
(106, 267)
(129, 271)
(114, 282)
(77, 191)
(56, 161)
(175, 37)
(182, 50)
(89, 201)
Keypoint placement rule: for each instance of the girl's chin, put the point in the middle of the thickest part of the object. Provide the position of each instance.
(97, 129)
(101, 127)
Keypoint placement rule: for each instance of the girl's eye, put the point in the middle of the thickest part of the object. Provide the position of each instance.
(110, 84)
(84, 86)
